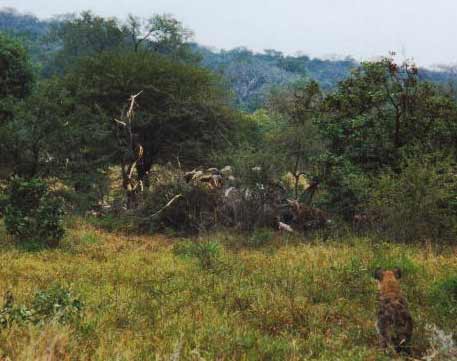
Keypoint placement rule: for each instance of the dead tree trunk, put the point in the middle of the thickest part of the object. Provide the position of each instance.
(132, 153)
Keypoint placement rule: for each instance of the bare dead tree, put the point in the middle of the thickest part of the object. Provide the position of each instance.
(132, 152)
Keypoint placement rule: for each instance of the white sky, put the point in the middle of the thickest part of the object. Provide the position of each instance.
(425, 30)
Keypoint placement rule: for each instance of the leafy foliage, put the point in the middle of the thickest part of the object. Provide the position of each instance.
(383, 108)
(13, 20)
(86, 35)
(417, 203)
(346, 186)
(374, 117)
(444, 296)
(56, 303)
(11, 314)
(33, 213)
(16, 82)
(296, 138)
(16, 76)
(182, 112)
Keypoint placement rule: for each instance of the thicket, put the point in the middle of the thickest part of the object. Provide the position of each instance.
(129, 97)
(33, 213)
(417, 204)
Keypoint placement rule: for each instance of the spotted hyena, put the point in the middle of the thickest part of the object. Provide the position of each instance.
(395, 324)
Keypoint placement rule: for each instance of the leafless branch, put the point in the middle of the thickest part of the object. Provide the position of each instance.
(168, 205)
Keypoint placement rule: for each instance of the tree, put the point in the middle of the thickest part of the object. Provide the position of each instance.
(297, 138)
(42, 133)
(85, 35)
(383, 108)
(377, 115)
(12, 20)
(16, 75)
(162, 34)
(133, 153)
(182, 113)
(16, 82)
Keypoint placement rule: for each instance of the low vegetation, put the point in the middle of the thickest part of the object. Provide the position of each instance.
(127, 297)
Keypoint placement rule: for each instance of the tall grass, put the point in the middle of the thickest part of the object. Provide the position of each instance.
(285, 300)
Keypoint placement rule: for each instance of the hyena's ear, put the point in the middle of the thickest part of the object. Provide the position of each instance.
(397, 273)
(378, 274)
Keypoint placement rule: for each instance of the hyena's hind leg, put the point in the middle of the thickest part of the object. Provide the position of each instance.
(383, 335)
(404, 336)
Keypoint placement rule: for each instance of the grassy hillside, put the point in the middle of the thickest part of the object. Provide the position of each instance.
(154, 298)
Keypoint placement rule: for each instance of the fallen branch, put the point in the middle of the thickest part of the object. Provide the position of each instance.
(168, 205)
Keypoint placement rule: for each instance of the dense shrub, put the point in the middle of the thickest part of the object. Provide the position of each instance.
(443, 296)
(33, 213)
(193, 211)
(3, 201)
(418, 203)
(16, 75)
(258, 195)
(346, 187)
(252, 203)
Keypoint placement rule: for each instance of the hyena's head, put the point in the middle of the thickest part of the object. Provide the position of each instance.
(388, 279)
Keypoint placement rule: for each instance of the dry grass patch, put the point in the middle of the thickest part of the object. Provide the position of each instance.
(286, 300)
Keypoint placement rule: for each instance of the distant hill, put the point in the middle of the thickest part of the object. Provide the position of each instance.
(13, 21)
(251, 75)
(29, 30)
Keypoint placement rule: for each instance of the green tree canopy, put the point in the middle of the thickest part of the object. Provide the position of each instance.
(384, 108)
(16, 75)
(16, 83)
(182, 115)
(85, 35)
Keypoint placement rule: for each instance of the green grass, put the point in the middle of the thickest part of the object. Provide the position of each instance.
(153, 298)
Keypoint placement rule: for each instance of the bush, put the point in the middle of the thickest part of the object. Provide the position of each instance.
(55, 303)
(12, 314)
(254, 203)
(3, 201)
(443, 296)
(192, 212)
(346, 187)
(33, 213)
(416, 204)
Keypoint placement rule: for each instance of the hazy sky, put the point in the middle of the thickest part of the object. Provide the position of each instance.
(425, 30)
